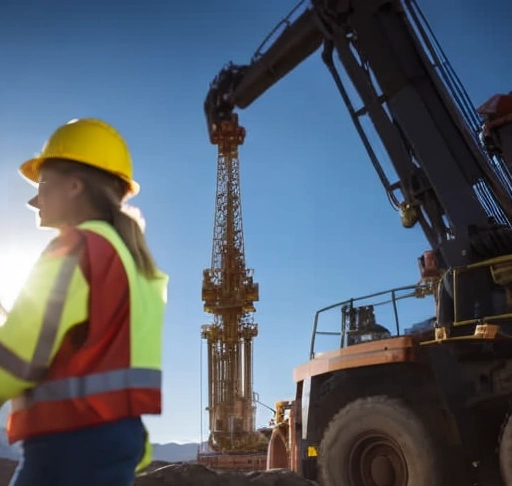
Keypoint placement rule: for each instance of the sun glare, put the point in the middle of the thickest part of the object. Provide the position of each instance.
(15, 267)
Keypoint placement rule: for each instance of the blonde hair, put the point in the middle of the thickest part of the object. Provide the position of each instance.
(106, 193)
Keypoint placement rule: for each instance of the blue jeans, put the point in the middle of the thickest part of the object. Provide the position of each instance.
(104, 455)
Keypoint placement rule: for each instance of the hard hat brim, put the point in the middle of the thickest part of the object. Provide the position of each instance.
(30, 170)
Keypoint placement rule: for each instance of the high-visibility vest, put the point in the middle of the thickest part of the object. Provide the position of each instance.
(82, 343)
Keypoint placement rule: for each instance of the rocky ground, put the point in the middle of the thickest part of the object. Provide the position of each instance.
(198, 475)
(164, 474)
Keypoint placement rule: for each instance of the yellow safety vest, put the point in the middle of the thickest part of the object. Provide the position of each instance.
(57, 297)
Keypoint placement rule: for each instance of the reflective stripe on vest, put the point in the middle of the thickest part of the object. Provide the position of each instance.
(35, 369)
(94, 384)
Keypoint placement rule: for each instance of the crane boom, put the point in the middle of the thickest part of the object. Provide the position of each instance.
(446, 182)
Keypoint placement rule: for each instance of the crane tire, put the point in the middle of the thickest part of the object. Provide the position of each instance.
(379, 441)
(505, 451)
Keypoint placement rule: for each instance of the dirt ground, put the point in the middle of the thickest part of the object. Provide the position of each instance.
(198, 475)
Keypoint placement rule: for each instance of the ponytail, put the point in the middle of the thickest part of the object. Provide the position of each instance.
(131, 232)
(128, 225)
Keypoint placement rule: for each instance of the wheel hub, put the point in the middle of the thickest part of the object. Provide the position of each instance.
(377, 460)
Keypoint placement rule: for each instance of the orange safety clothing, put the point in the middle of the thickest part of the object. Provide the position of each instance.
(82, 343)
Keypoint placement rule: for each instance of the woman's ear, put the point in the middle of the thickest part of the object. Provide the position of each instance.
(75, 187)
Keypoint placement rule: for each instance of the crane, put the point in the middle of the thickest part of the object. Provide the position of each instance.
(408, 408)
(229, 293)
(396, 81)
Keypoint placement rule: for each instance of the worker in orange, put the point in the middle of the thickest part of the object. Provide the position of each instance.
(80, 350)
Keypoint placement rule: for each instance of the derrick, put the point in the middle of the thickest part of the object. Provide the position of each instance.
(229, 293)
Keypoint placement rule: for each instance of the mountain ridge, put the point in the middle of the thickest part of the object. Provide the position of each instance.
(169, 452)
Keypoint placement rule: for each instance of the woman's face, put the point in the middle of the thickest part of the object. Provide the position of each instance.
(57, 198)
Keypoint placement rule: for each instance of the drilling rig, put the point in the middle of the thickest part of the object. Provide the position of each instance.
(229, 293)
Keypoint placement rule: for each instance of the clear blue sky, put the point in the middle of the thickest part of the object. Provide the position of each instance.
(318, 227)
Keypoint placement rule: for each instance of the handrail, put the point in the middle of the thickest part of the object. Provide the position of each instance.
(425, 288)
(418, 290)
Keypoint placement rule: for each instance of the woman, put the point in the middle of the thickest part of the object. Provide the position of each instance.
(80, 351)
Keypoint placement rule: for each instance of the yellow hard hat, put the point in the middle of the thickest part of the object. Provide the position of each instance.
(88, 141)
